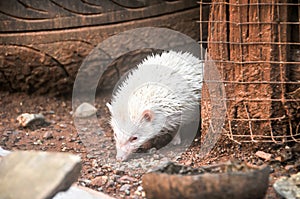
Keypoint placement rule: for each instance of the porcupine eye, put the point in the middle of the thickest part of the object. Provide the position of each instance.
(132, 139)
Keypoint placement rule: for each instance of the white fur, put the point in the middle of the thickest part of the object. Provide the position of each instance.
(169, 85)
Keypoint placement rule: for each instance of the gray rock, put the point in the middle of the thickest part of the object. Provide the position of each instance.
(37, 175)
(85, 110)
(288, 187)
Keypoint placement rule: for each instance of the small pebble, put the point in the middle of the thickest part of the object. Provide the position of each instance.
(63, 126)
(61, 138)
(115, 177)
(95, 163)
(156, 157)
(99, 181)
(64, 149)
(120, 171)
(51, 112)
(140, 188)
(110, 183)
(38, 142)
(126, 178)
(48, 135)
(99, 189)
(63, 104)
(82, 184)
(125, 187)
(26, 118)
(289, 167)
(127, 192)
(86, 181)
(90, 156)
(135, 184)
(138, 193)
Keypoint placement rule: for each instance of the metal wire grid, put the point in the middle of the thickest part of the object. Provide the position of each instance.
(277, 128)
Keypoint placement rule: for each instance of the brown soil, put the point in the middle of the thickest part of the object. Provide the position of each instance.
(61, 135)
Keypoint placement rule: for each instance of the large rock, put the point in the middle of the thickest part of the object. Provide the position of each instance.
(37, 175)
(79, 192)
(288, 187)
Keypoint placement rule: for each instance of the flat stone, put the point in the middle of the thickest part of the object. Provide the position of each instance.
(79, 192)
(37, 175)
(263, 155)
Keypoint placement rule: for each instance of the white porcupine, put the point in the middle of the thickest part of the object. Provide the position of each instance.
(163, 92)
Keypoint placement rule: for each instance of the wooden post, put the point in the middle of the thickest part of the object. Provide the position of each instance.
(247, 40)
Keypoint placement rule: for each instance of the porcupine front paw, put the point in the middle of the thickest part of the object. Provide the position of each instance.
(176, 139)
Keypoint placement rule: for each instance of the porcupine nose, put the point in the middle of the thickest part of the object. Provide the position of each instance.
(121, 155)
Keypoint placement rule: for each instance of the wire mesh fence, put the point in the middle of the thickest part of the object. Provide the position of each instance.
(256, 47)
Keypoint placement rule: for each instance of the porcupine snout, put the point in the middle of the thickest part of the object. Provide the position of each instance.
(121, 155)
(123, 152)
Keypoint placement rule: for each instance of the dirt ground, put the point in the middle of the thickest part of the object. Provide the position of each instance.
(61, 135)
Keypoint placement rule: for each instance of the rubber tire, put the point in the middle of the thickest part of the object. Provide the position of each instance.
(42, 43)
